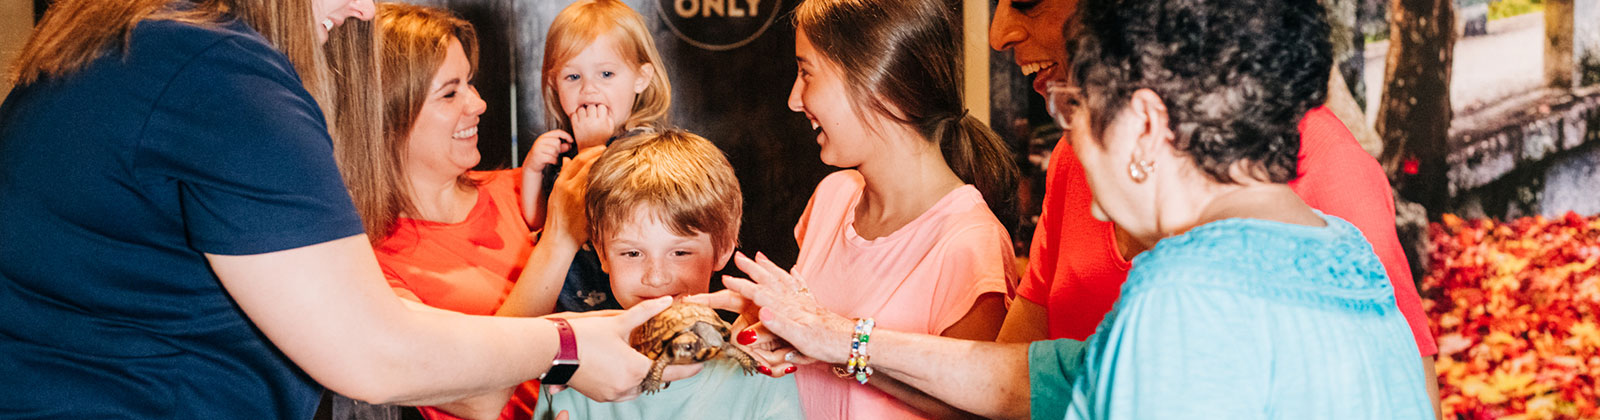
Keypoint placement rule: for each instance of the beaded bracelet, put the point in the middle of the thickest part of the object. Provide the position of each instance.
(856, 367)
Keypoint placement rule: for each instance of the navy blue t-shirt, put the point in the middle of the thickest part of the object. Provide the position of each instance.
(114, 182)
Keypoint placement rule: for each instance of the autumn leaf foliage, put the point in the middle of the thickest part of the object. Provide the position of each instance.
(1516, 310)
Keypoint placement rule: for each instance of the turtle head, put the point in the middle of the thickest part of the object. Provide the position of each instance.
(700, 343)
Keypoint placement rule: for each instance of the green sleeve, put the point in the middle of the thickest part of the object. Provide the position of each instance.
(1051, 367)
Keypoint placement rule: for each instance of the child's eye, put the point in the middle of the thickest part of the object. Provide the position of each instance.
(1024, 5)
(570, 77)
(607, 74)
(629, 254)
(682, 253)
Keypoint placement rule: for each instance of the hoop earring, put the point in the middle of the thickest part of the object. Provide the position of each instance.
(1139, 170)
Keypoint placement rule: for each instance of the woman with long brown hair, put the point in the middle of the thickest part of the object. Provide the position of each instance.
(177, 242)
(907, 234)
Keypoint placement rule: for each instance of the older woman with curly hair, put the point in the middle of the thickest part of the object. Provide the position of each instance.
(1250, 304)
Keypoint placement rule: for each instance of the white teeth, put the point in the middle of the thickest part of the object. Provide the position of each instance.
(465, 133)
(327, 24)
(1032, 68)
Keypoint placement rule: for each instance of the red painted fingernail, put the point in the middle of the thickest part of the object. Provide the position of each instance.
(788, 369)
(747, 336)
(764, 370)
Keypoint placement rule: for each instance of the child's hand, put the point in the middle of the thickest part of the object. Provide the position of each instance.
(564, 215)
(592, 126)
(545, 151)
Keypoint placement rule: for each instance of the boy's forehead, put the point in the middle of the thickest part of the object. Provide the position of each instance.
(646, 218)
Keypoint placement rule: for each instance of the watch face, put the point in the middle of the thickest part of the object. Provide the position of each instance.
(559, 373)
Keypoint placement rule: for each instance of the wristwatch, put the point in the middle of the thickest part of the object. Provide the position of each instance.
(566, 362)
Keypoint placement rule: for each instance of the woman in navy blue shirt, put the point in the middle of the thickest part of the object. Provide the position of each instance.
(176, 241)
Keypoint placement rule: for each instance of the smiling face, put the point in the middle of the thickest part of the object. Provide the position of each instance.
(331, 13)
(1032, 30)
(444, 137)
(647, 260)
(600, 75)
(819, 92)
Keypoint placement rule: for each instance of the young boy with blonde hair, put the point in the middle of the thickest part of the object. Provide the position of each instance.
(664, 210)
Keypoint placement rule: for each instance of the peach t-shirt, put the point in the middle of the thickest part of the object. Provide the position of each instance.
(921, 279)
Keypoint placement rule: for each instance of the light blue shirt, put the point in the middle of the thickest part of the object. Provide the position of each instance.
(1242, 319)
(720, 391)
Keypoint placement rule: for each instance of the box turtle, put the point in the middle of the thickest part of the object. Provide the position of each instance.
(684, 333)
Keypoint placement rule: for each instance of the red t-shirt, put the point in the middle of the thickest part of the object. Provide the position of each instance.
(1075, 273)
(466, 267)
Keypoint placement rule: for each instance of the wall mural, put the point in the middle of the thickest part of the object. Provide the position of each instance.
(731, 70)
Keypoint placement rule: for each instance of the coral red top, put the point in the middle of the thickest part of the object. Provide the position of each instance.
(1075, 273)
(467, 267)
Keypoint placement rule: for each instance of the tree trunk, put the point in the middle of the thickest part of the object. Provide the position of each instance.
(1414, 115)
(1558, 47)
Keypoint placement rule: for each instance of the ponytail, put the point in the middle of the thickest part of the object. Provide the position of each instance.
(979, 157)
(902, 59)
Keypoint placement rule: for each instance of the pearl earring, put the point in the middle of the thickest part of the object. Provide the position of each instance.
(1140, 169)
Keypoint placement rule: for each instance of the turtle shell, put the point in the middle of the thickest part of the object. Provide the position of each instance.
(674, 322)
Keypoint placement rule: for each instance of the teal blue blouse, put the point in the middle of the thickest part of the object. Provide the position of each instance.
(1242, 319)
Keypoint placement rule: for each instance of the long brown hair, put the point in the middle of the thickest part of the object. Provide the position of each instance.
(414, 42)
(902, 59)
(575, 28)
(358, 127)
(73, 33)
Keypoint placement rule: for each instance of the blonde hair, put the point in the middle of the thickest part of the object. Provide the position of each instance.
(682, 176)
(579, 25)
(415, 41)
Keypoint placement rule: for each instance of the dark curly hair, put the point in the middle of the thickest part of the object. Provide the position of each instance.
(1236, 76)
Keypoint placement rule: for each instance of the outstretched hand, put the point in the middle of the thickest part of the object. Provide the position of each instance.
(776, 356)
(786, 308)
(609, 369)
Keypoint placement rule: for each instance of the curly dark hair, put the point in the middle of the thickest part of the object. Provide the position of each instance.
(1236, 76)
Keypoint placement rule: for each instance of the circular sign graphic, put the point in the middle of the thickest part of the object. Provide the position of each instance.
(718, 25)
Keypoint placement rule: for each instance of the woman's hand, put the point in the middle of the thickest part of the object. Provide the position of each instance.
(592, 126)
(787, 309)
(609, 369)
(776, 356)
(564, 215)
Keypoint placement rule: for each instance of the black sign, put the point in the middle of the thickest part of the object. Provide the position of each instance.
(719, 25)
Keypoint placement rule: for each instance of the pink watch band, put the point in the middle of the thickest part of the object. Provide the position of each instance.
(566, 361)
